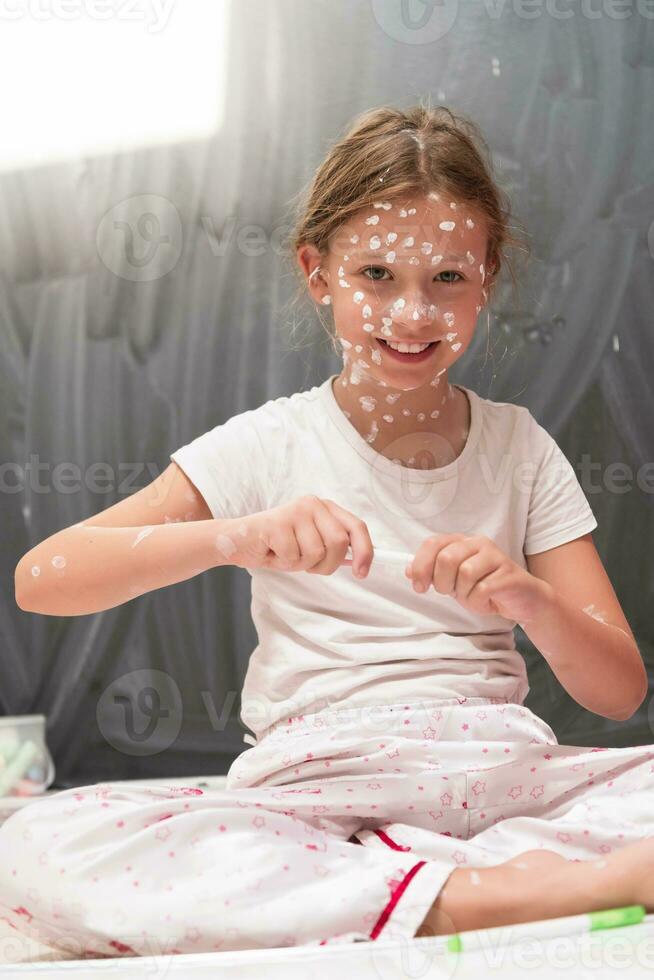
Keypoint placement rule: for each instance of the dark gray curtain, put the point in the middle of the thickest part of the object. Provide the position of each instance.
(109, 373)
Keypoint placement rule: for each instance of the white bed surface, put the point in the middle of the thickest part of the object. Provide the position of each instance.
(606, 955)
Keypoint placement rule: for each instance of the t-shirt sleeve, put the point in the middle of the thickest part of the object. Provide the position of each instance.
(236, 465)
(558, 508)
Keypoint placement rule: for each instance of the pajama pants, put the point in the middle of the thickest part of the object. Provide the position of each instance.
(340, 826)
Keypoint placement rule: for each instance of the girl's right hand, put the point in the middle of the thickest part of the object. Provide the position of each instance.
(309, 534)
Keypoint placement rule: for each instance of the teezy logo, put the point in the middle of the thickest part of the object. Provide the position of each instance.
(140, 238)
(140, 713)
(415, 21)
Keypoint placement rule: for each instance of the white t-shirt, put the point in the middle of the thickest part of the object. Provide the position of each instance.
(327, 640)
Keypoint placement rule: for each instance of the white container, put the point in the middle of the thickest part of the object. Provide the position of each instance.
(26, 766)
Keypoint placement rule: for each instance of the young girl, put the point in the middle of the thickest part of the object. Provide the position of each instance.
(396, 529)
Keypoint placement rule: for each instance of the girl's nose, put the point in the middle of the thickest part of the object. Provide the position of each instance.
(413, 311)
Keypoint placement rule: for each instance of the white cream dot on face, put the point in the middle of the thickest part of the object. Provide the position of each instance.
(455, 347)
(373, 219)
(391, 237)
(435, 259)
(453, 205)
(358, 296)
(391, 399)
(59, 561)
(142, 534)
(421, 416)
(344, 283)
(426, 248)
(470, 223)
(368, 327)
(383, 204)
(326, 300)
(406, 411)
(375, 242)
(358, 348)
(447, 225)
(36, 571)
(387, 418)
(408, 241)
(475, 878)
(225, 545)
(470, 257)
(354, 239)
(345, 343)
(411, 211)
(366, 311)
(374, 432)
(403, 213)
(376, 356)
(434, 414)
(390, 257)
(368, 403)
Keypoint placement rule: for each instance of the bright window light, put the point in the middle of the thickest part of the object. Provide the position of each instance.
(96, 77)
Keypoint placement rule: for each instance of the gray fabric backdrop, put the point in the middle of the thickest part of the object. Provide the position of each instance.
(101, 368)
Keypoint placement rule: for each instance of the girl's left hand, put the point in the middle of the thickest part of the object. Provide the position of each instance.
(478, 574)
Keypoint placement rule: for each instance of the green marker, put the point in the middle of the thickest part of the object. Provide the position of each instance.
(568, 925)
(18, 765)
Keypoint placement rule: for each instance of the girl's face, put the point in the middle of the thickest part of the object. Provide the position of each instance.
(407, 271)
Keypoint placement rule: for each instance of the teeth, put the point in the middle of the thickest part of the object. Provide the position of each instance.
(407, 348)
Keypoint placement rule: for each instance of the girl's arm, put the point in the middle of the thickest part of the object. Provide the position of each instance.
(158, 536)
(583, 634)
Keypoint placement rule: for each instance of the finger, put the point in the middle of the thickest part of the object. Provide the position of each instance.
(448, 563)
(360, 540)
(484, 588)
(313, 548)
(471, 571)
(284, 545)
(334, 541)
(423, 564)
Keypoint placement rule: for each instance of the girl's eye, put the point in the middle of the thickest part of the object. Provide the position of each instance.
(380, 268)
(452, 272)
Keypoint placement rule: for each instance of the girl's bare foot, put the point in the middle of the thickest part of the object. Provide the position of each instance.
(631, 871)
(541, 884)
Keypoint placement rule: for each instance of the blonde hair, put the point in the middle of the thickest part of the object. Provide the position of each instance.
(388, 153)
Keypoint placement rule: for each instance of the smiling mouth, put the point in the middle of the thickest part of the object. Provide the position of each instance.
(407, 355)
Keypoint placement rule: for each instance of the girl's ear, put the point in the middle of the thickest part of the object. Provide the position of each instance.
(309, 259)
